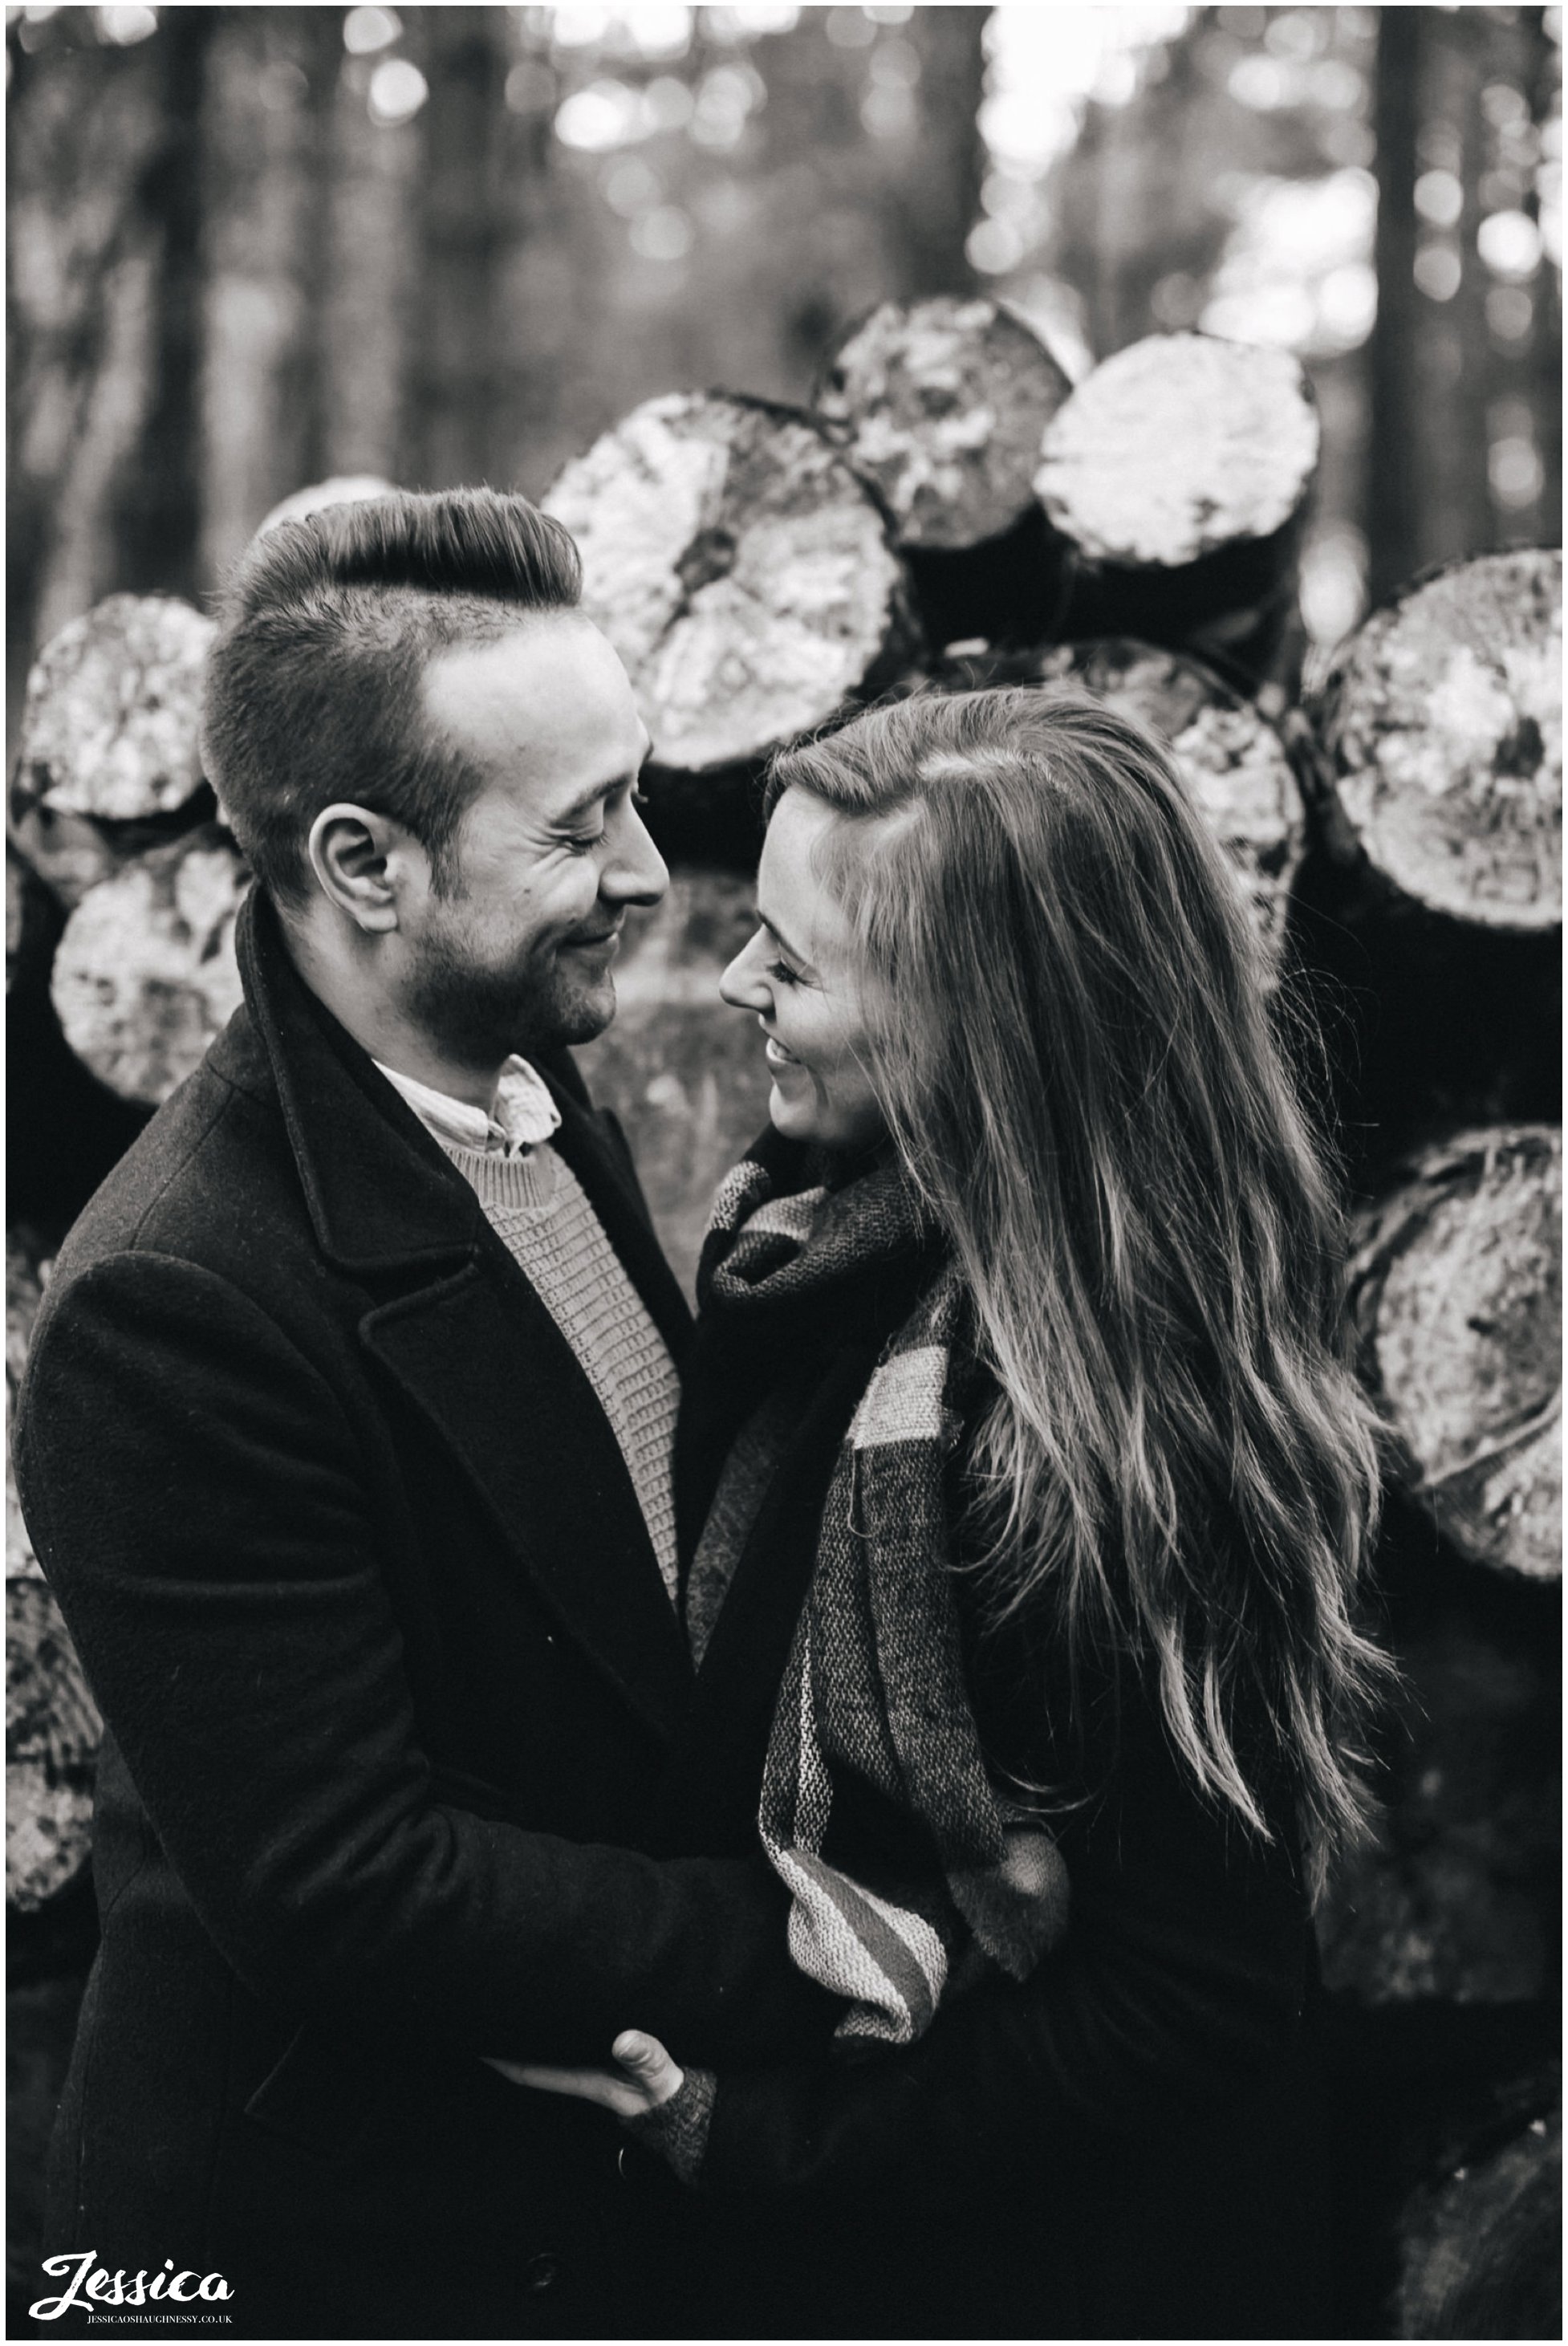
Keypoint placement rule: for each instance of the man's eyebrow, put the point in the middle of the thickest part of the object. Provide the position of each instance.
(778, 934)
(590, 799)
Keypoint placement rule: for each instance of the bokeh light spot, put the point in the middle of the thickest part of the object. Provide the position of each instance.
(366, 30)
(1510, 244)
(398, 89)
(1439, 271)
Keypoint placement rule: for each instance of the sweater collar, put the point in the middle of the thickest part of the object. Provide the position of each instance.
(524, 1116)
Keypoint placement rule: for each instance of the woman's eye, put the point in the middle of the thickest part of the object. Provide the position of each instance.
(782, 973)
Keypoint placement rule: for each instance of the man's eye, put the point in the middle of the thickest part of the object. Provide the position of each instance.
(585, 844)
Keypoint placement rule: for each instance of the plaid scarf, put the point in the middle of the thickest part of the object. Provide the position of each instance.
(875, 1685)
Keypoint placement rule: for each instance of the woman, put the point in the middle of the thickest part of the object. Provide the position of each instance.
(1016, 1449)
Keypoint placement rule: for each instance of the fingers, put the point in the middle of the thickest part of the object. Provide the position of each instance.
(611, 2091)
(647, 2066)
(644, 2077)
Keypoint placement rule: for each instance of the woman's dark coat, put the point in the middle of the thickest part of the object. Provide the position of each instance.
(364, 1593)
(1129, 2146)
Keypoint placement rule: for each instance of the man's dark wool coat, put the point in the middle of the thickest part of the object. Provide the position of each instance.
(363, 1591)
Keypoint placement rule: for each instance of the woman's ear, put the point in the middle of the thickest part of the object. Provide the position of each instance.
(361, 864)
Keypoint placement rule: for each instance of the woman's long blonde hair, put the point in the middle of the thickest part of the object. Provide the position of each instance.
(1074, 1049)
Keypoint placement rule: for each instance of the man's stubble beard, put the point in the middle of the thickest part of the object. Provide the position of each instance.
(480, 1014)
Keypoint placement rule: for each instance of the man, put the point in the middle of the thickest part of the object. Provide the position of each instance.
(345, 1443)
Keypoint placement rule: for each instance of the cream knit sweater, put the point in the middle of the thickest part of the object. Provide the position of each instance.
(534, 1203)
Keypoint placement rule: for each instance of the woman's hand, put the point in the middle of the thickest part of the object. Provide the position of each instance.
(643, 2078)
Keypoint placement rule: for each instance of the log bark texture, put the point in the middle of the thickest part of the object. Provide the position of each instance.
(740, 569)
(1231, 759)
(1180, 470)
(144, 976)
(1441, 733)
(1457, 1288)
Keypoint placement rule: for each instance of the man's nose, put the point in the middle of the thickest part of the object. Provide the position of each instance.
(637, 873)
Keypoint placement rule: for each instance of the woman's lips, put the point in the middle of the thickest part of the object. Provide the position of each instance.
(778, 1057)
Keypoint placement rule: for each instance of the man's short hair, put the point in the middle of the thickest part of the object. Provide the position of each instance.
(314, 681)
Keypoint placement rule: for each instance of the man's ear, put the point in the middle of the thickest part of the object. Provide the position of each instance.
(361, 862)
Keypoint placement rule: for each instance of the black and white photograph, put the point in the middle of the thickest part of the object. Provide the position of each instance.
(784, 1215)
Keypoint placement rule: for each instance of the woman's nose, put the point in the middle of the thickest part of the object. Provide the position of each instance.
(743, 985)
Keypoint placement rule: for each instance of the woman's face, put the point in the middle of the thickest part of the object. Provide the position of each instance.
(799, 975)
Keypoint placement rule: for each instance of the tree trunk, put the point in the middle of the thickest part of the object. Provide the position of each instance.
(1394, 479)
(456, 383)
(266, 102)
(368, 319)
(103, 242)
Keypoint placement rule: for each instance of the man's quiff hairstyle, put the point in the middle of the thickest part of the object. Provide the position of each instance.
(315, 679)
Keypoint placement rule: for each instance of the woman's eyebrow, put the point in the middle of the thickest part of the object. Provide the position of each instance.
(777, 933)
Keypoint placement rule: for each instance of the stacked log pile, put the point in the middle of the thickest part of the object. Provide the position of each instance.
(954, 512)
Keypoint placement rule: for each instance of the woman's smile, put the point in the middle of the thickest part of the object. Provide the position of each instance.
(800, 975)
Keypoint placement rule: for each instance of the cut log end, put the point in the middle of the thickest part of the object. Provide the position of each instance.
(943, 405)
(1177, 447)
(113, 712)
(144, 976)
(52, 1734)
(1231, 760)
(1457, 1290)
(1441, 726)
(1480, 2249)
(741, 571)
(25, 1274)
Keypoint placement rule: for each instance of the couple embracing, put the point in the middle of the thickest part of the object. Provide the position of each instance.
(804, 1824)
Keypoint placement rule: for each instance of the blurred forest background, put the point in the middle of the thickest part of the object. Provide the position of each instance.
(250, 248)
(257, 248)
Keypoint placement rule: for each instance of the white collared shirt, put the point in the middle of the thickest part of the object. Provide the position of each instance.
(524, 1113)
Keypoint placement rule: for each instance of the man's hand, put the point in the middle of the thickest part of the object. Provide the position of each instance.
(643, 2078)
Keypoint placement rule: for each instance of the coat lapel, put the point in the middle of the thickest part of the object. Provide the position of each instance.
(464, 1335)
(483, 1360)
